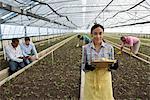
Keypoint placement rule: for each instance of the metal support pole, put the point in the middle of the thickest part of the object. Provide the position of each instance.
(1, 42)
(48, 36)
(47, 31)
(39, 34)
(1, 45)
(59, 30)
(53, 32)
(103, 18)
(52, 57)
(25, 31)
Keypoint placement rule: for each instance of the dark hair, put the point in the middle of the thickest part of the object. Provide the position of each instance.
(15, 40)
(122, 37)
(27, 39)
(95, 26)
(79, 36)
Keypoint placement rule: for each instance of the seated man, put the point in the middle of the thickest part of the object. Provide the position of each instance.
(14, 56)
(29, 51)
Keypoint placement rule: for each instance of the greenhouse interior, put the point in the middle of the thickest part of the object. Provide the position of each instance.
(74, 49)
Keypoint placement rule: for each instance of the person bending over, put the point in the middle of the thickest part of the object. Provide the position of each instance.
(132, 42)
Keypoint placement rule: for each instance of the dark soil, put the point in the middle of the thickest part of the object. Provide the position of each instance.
(143, 48)
(47, 81)
(61, 80)
(52, 41)
(131, 81)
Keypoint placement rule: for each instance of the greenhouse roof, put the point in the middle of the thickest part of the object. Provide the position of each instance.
(75, 14)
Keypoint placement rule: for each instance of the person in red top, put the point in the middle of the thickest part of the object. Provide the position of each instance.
(132, 42)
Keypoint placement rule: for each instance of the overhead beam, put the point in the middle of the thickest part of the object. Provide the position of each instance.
(43, 3)
(138, 23)
(26, 13)
(9, 17)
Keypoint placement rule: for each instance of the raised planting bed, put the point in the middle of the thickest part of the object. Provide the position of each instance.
(130, 81)
(48, 81)
(38, 47)
(143, 48)
(61, 80)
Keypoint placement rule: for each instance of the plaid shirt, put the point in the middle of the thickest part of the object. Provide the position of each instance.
(89, 52)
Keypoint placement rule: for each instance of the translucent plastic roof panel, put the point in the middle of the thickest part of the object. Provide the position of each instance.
(81, 13)
(10, 31)
(3, 13)
(21, 20)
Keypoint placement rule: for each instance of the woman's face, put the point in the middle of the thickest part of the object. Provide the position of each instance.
(97, 35)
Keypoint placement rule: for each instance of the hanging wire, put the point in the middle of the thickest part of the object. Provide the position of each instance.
(138, 23)
(124, 10)
(20, 2)
(100, 12)
(131, 24)
(148, 9)
(50, 8)
(24, 3)
(62, 1)
(42, 3)
(147, 3)
(80, 6)
(139, 18)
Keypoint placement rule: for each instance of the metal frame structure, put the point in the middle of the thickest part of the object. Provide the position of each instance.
(74, 14)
